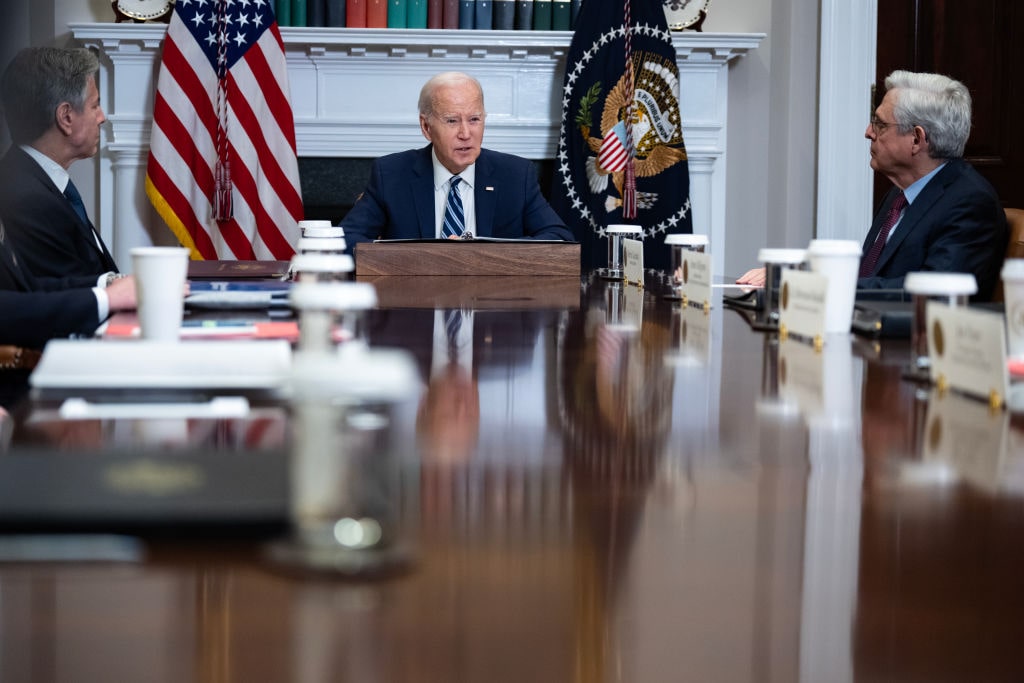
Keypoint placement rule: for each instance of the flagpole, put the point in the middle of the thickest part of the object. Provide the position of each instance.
(629, 187)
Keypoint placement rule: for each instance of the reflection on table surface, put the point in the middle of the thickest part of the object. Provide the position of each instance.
(619, 489)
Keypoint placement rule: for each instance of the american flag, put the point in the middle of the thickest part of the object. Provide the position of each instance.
(222, 168)
(613, 154)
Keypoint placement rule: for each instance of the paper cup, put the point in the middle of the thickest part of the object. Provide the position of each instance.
(1013, 295)
(160, 283)
(839, 261)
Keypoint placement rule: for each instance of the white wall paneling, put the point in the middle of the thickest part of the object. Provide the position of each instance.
(354, 94)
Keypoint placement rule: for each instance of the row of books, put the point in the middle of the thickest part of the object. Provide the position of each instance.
(521, 15)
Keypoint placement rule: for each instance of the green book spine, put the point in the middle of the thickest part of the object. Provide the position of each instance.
(417, 13)
(298, 13)
(542, 15)
(561, 15)
(398, 14)
(283, 10)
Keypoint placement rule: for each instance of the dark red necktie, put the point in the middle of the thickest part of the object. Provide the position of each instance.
(867, 264)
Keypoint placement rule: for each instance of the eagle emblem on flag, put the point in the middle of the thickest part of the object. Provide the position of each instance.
(621, 157)
(657, 131)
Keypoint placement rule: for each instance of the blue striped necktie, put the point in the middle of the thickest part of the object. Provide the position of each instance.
(73, 196)
(454, 216)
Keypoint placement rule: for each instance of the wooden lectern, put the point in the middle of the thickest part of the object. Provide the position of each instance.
(467, 257)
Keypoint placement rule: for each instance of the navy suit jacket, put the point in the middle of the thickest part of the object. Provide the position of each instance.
(52, 239)
(956, 225)
(398, 202)
(30, 315)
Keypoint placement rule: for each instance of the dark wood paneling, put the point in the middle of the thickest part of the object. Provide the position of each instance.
(976, 43)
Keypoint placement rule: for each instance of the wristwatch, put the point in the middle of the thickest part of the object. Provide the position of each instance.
(142, 10)
(686, 14)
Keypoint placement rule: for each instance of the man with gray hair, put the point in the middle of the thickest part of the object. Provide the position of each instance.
(452, 188)
(942, 215)
(52, 106)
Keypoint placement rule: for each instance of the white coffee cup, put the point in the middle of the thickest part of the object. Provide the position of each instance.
(160, 285)
(1013, 295)
(839, 261)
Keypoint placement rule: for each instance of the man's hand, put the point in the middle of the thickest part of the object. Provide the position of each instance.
(121, 294)
(753, 277)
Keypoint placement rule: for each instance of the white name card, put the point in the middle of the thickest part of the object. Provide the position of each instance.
(633, 261)
(802, 297)
(967, 350)
(695, 280)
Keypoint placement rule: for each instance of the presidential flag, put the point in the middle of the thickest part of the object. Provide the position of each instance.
(621, 157)
(222, 168)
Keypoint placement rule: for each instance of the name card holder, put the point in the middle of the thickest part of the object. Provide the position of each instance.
(967, 351)
(633, 262)
(802, 297)
(695, 280)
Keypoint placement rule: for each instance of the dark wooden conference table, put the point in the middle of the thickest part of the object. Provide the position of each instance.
(640, 493)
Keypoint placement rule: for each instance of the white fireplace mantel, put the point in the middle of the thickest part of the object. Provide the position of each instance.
(354, 91)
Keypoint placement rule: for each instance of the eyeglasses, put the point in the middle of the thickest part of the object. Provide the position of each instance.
(453, 122)
(879, 126)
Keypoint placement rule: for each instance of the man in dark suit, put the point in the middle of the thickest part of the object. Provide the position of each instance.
(34, 310)
(52, 106)
(452, 188)
(942, 215)
(945, 216)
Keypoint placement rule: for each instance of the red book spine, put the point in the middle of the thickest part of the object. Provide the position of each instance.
(435, 14)
(376, 14)
(355, 14)
(451, 14)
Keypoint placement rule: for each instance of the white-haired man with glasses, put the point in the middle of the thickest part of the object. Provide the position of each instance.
(941, 214)
(452, 188)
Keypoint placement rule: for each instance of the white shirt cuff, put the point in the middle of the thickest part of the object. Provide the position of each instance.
(102, 303)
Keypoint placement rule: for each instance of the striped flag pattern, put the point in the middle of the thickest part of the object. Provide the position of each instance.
(613, 154)
(222, 170)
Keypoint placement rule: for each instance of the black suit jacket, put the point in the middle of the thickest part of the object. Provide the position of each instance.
(51, 238)
(31, 315)
(399, 200)
(956, 224)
